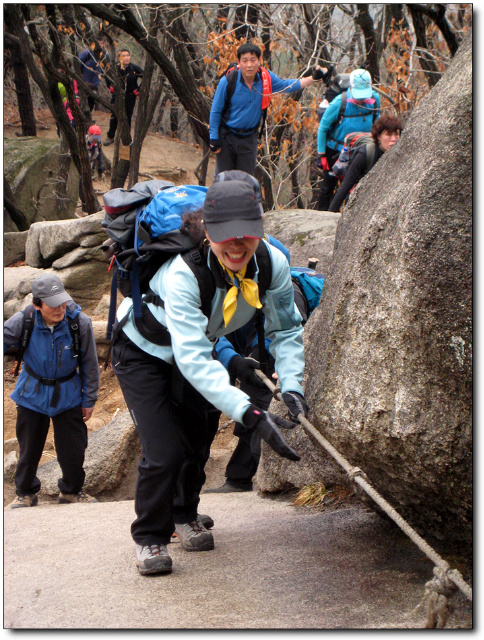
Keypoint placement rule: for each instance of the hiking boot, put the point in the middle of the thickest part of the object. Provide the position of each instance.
(24, 501)
(205, 521)
(82, 496)
(229, 488)
(194, 537)
(152, 558)
(108, 141)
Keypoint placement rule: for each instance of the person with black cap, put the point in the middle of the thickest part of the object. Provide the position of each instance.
(59, 380)
(176, 433)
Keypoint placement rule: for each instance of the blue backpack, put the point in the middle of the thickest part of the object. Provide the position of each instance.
(150, 235)
(143, 236)
(311, 283)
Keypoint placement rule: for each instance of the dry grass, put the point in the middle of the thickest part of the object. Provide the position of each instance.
(317, 496)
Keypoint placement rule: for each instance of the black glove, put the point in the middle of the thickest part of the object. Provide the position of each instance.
(215, 145)
(295, 404)
(243, 369)
(318, 73)
(267, 426)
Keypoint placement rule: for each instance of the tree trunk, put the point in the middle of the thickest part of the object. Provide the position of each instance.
(364, 20)
(18, 217)
(22, 85)
(426, 62)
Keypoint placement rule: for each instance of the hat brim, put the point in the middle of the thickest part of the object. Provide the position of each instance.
(360, 94)
(57, 300)
(223, 231)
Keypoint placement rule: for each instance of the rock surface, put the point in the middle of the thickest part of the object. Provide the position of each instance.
(31, 167)
(389, 358)
(273, 567)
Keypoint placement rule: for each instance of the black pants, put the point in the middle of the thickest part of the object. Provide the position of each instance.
(329, 183)
(243, 463)
(175, 442)
(237, 152)
(70, 438)
(129, 103)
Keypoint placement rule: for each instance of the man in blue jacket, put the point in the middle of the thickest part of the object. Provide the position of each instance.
(234, 130)
(59, 380)
(92, 64)
(360, 110)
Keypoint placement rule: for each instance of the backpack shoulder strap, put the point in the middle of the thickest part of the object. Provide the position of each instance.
(264, 263)
(231, 77)
(27, 328)
(342, 107)
(76, 335)
(370, 155)
(206, 283)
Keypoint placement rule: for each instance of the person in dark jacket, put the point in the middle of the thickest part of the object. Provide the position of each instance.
(361, 110)
(385, 132)
(93, 63)
(130, 74)
(53, 384)
(234, 131)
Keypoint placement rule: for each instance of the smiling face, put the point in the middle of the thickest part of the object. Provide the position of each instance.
(235, 253)
(52, 315)
(387, 139)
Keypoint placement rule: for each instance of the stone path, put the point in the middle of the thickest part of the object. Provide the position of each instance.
(273, 567)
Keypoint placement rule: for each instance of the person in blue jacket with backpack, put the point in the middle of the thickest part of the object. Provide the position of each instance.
(173, 385)
(234, 119)
(360, 109)
(59, 381)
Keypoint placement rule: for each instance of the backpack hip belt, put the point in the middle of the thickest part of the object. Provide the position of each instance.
(50, 382)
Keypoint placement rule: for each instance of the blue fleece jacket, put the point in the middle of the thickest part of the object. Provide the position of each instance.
(245, 104)
(50, 355)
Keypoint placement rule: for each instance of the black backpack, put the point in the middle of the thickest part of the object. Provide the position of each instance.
(143, 237)
(339, 84)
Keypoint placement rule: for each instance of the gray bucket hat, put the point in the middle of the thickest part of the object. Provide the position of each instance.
(49, 289)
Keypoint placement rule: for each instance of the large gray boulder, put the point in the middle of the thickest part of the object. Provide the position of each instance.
(389, 351)
(110, 460)
(31, 166)
(306, 234)
(50, 241)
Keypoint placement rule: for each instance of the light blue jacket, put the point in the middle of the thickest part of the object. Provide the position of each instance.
(193, 334)
(245, 104)
(357, 118)
(50, 355)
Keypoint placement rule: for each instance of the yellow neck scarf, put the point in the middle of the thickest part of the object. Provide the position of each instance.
(248, 287)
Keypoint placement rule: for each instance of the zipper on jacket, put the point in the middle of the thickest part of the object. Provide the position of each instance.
(59, 359)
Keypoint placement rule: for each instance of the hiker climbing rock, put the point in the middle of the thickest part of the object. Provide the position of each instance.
(175, 389)
(240, 102)
(385, 132)
(59, 380)
(355, 109)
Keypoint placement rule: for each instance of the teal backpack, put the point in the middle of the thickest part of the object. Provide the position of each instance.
(311, 283)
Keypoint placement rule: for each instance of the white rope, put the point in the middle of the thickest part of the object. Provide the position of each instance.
(438, 589)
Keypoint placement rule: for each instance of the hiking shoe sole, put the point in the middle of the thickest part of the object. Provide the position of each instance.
(152, 559)
(207, 545)
(163, 565)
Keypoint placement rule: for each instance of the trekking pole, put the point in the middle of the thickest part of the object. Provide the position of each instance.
(442, 571)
